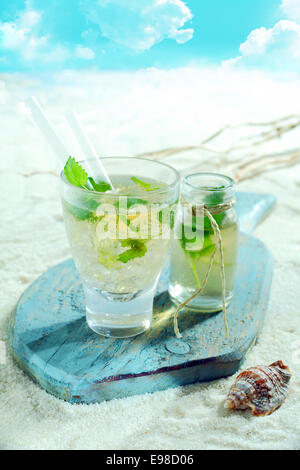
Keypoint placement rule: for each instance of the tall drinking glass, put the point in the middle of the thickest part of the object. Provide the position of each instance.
(120, 239)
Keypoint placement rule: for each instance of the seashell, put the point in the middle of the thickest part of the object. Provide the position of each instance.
(261, 388)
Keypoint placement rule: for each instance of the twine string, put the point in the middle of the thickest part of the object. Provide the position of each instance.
(209, 212)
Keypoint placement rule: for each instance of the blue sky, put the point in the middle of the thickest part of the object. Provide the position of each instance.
(129, 34)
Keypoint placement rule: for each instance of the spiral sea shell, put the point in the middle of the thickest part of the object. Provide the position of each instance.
(261, 388)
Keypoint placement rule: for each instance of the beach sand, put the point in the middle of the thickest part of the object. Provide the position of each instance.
(127, 114)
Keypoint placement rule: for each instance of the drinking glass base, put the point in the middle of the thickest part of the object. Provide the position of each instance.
(201, 303)
(118, 316)
(113, 332)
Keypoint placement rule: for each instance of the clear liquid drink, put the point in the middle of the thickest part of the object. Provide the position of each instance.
(120, 239)
(190, 257)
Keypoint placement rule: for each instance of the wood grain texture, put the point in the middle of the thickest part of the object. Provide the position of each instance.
(51, 341)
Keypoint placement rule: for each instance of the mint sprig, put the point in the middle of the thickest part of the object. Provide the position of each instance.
(101, 186)
(86, 213)
(137, 249)
(200, 245)
(77, 176)
(143, 184)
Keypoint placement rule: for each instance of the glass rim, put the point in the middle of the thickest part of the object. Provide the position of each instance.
(230, 181)
(114, 193)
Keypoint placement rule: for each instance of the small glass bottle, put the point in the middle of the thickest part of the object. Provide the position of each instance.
(195, 241)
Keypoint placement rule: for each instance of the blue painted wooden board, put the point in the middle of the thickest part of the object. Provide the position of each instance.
(51, 341)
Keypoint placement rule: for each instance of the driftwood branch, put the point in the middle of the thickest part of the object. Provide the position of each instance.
(246, 157)
(41, 172)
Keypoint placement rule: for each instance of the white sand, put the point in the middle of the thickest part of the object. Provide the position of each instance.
(126, 114)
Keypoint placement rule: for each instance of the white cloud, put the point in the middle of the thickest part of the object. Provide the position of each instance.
(182, 35)
(23, 37)
(21, 34)
(229, 64)
(29, 18)
(291, 9)
(257, 41)
(277, 48)
(139, 24)
(84, 53)
(285, 33)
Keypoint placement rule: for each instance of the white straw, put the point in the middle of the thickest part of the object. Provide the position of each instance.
(95, 166)
(47, 130)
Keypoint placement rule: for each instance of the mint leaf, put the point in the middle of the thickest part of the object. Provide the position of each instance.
(79, 213)
(85, 212)
(218, 218)
(124, 219)
(127, 222)
(137, 249)
(100, 186)
(206, 222)
(207, 251)
(194, 244)
(143, 184)
(200, 245)
(131, 201)
(215, 196)
(75, 174)
(167, 214)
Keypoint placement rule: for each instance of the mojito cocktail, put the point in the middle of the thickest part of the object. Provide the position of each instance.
(119, 238)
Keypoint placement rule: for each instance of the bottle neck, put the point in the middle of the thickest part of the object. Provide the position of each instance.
(209, 189)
